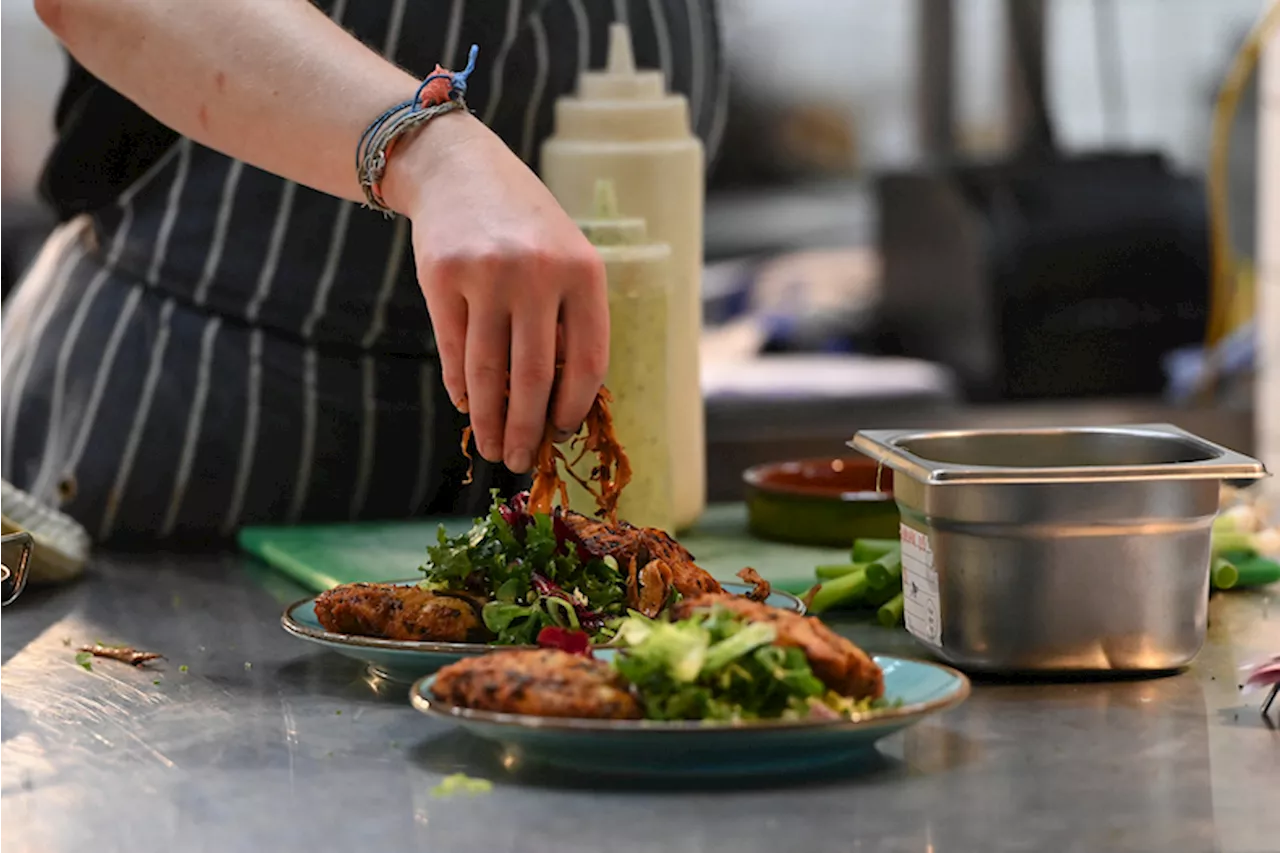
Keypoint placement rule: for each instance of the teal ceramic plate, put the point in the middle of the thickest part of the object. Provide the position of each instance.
(403, 660)
(642, 748)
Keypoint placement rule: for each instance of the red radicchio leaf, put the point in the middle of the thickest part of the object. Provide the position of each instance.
(588, 619)
(565, 535)
(565, 639)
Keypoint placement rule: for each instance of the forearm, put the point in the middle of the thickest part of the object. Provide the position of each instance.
(272, 82)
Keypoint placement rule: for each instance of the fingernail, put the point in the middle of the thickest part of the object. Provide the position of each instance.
(492, 452)
(562, 435)
(461, 405)
(520, 461)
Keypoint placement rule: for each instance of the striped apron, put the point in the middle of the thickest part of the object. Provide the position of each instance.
(220, 347)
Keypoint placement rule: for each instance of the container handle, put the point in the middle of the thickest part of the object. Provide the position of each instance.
(13, 581)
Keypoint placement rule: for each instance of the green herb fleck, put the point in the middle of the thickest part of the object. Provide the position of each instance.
(85, 659)
(248, 665)
(156, 682)
(182, 668)
(338, 713)
(461, 783)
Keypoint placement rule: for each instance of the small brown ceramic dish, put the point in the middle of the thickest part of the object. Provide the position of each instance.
(827, 502)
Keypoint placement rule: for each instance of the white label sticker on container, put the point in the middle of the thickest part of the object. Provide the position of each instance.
(922, 609)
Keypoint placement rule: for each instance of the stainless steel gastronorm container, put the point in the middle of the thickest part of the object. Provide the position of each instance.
(1064, 549)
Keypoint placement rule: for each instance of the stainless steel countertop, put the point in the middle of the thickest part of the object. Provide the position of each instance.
(265, 743)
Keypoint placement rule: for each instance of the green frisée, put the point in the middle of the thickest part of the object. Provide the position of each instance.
(532, 574)
(717, 666)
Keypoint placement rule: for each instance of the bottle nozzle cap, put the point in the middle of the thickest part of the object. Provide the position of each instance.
(621, 59)
(606, 200)
(608, 227)
(620, 79)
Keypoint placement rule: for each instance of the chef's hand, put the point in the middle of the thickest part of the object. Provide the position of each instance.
(501, 266)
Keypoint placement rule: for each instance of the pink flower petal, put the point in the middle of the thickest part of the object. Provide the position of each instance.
(1262, 674)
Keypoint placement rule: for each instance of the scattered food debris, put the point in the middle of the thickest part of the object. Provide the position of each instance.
(182, 668)
(124, 654)
(461, 783)
(85, 659)
(248, 665)
(66, 641)
(156, 682)
(338, 713)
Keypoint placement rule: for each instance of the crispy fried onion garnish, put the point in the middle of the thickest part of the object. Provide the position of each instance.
(760, 587)
(607, 478)
(124, 654)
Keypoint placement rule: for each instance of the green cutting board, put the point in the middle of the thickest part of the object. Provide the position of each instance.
(320, 557)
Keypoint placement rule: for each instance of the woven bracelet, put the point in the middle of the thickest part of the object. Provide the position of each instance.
(441, 92)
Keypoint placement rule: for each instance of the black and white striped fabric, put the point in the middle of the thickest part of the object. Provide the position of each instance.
(221, 347)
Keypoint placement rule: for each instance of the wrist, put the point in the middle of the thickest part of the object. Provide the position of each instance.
(418, 155)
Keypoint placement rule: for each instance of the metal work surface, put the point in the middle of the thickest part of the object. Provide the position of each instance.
(263, 743)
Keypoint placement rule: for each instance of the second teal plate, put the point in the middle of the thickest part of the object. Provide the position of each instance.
(641, 748)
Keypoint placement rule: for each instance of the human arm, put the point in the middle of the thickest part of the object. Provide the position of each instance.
(279, 85)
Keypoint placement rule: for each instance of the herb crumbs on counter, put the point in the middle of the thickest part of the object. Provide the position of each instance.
(461, 783)
(85, 659)
(182, 668)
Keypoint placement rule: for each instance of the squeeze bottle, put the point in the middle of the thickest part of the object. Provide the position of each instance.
(623, 126)
(639, 277)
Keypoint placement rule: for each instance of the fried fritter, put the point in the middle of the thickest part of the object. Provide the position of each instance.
(401, 613)
(602, 539)
(840, 664)
(542, 682)
(643, 546)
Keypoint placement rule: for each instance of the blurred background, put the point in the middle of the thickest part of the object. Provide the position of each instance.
(941, 212)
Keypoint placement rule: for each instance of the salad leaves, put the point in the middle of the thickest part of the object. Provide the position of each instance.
(531, 572)
(718, 666)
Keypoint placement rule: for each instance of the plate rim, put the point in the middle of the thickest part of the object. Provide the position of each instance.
(291, 625)
(580, 725)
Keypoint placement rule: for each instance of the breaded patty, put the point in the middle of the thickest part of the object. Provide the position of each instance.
(542, 682)
(643, 545)
(840, 664)
(401, 613)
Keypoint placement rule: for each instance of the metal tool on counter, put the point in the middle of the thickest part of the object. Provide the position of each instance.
(56, 549)
(13, 581)
(1065, 549)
